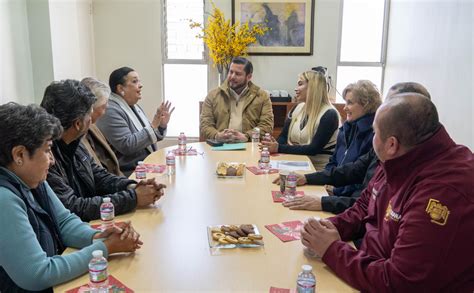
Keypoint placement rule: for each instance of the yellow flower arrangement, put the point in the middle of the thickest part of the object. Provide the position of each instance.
(226, 40)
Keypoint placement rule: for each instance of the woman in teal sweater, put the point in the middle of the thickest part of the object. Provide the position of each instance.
(36, 227)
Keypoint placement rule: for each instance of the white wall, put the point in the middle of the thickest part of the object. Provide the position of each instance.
(128, 33)
(72, 38)
(40, 44)
(431, 42)
(16, 78)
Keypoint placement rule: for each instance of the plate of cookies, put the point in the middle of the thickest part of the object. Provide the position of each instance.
(232, 236)
(230, 170)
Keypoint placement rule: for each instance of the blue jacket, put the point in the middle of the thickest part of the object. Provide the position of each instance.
(354, 140)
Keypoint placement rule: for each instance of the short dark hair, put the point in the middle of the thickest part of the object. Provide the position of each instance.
(248, 67)
(410, 87)
(410, 117)
(118, 77)
(68, 100)
(29, 126)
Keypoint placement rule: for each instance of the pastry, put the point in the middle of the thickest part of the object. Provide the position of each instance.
(247, 229)
(234, 234)
(240, 170)
(225, 228)
(231, 239)
(245, 240)
(255, 236)
(223, 241)
(216, 230)
(240, 232)
(217, 235)
(233, 227)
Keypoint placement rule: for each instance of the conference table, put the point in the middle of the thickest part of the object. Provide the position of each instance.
(176, 255)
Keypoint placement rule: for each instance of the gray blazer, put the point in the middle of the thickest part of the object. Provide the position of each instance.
(130, 141)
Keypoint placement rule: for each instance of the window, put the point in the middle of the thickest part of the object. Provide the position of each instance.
(184, 67)
(362, 44)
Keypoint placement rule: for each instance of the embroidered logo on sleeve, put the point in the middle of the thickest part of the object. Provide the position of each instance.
(390, 214)
(438, 212)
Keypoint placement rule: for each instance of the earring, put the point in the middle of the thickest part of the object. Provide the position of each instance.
(19, 162)
(122, 93)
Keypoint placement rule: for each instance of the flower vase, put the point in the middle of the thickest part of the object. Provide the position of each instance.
(223, 71)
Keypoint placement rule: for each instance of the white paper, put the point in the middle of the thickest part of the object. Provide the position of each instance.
(291, 165)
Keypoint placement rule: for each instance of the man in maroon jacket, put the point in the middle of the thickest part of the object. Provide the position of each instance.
(417, 211)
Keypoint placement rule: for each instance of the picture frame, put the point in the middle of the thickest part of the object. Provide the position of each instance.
(291, 24)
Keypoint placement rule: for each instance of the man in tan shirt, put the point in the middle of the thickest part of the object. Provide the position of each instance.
(231, 111)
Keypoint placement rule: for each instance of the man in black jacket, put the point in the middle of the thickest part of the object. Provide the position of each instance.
(357, 172)
(76, 179)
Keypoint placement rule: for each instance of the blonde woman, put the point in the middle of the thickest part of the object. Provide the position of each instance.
(311, 127)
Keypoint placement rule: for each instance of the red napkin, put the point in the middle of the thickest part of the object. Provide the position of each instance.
(281, 290)
(257, 171)
(155, 168)
(114, 286)
(286, 231)
(279, 197)
(97, 226)
(189, 152)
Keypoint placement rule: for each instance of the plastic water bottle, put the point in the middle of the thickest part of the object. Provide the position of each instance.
(98, 276)
(264, 162)
(140, 171)
(182, 143)
(306, 282)
(267, 137)
(290, 188)
(256, 134)
(107, 213)
(170, 163)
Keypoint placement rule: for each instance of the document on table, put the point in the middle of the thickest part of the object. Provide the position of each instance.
(291, 165)
(230, 147)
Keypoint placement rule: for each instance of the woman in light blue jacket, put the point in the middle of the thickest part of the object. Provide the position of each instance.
(36, 228)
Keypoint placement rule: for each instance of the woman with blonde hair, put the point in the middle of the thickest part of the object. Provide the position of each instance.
(311, 127)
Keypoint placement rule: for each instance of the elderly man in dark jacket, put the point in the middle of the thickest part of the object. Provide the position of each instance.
(77, 180)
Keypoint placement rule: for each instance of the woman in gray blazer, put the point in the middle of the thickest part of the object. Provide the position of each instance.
(124, 123)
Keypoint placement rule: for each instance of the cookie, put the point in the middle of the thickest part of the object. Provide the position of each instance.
(234, 234)
(225, 228)
(247, 229)
(245, 240)
(217, 235)
(255, 236)
(231, 239)
(240, 232)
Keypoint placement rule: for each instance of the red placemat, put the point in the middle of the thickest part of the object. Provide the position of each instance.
(257, 171)
(115, 286)
(286, 231)
(155, 168)
(279, 197)
(189, 152)
(281, 290)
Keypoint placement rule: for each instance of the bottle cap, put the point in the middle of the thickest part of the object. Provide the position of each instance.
(307, 268)
(97, 253)
(106, 199)
(284, 172)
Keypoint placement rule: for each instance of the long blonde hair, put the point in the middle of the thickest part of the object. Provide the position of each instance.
(316, 97)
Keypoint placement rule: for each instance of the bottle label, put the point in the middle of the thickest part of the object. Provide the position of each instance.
(170, 161)
(107, 213)
(98, 276)
(306, 285)
(265, 159)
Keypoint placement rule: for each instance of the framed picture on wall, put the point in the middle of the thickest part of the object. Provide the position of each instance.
(290, 24)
